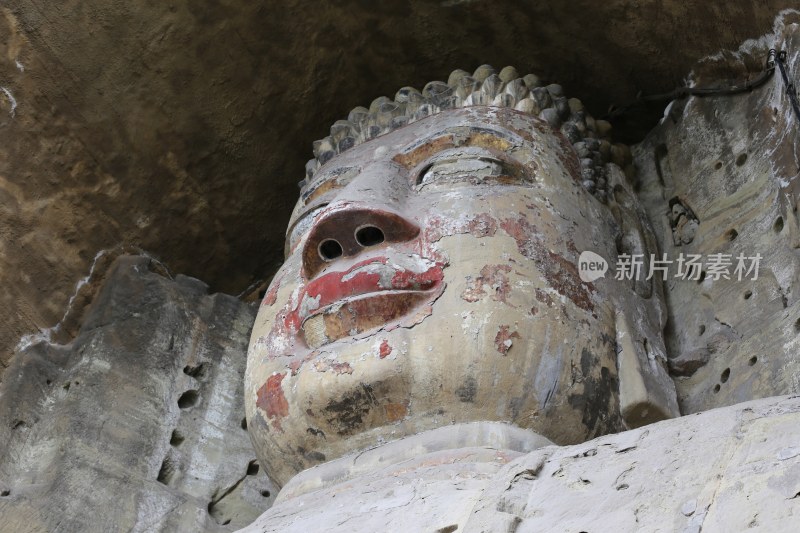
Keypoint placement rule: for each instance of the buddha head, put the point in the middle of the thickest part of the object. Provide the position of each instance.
(432, 278)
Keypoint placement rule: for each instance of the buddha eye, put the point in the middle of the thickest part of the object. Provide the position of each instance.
(468, 168)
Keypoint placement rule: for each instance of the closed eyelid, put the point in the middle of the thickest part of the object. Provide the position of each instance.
(471, 164)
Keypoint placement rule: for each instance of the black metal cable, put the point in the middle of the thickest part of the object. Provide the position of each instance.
(683, 92)
(790, 90)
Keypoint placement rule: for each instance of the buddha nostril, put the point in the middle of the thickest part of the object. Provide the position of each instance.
(329, 250)
(369, 236)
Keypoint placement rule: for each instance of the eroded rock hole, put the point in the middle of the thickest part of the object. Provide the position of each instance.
(188, 399)
(166, 472)
(252, 468)
(215, 513)
(177, 438)
(741, 160)
(244, 424)
(196, 371)
(777, 227)
(797, 325)
(716, 388)
(266, 493)
(701, 330)
(748, 294)
(5, 492)
(753, 360)
(702, 276)
(718, 165)
(725, 375)
(369, 236)
(731, 234)
(329, 250)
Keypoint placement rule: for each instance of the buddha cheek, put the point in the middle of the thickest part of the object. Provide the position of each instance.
(364, 386)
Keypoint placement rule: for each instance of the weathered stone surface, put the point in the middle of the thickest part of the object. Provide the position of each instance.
(730, 469)
(183, 128)
(137, 425)
(731, 164)
(469, 307)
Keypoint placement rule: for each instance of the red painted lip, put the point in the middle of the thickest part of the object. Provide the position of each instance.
(370, 276)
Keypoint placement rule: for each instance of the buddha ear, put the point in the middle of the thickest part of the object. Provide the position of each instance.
(646, 392)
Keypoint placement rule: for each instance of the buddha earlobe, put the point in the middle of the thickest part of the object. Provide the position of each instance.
(646, 392)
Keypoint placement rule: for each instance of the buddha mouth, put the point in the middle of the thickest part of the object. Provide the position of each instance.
(372, 293)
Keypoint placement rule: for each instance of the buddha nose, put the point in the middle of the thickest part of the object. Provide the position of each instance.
(347, 230)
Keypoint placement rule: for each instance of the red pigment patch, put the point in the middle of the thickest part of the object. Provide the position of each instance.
(560, 273)
(385, 349)
(271, 400)
(495, 276)
(272, 293)
(503, 339)
(333, 287)
(417, 281)
(544, 297)
(483, 225)
(474, 291)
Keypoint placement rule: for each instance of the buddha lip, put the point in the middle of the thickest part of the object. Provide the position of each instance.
(358, 314)
(396, 274)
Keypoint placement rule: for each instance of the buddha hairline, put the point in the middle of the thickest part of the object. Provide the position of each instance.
(484, 87)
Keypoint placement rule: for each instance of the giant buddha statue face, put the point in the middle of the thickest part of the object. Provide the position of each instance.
(431, 279)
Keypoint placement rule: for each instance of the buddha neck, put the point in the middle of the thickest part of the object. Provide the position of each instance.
(474, 442)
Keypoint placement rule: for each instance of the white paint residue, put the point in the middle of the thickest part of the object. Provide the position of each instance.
(46, 334)
(20, 66)
(309, 304)
(10, 99)
(667, 111)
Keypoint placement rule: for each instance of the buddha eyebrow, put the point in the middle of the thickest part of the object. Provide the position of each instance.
(482, 137)
(334, 179)
(423, 150)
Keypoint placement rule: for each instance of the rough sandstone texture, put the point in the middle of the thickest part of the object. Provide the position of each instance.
(136, 425)
(182, 129)
(735, 468)
(732, 164)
